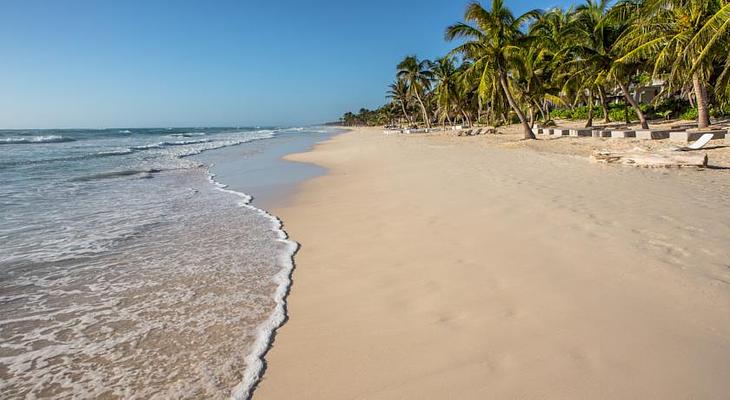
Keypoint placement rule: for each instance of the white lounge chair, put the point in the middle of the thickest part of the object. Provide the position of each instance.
(699, 143)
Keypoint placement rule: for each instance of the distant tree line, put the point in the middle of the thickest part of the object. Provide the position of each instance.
(384, 115)
(577, 63)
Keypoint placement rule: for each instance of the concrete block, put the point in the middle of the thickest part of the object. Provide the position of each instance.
(580, 132)
(652, 134)
(623, 134)
(692, 135)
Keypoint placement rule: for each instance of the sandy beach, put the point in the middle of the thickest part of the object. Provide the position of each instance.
(435, 267)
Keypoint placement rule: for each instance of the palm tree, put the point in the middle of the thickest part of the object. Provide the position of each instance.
(445, 74)
(711, 43)
(399, 93)
(530, 71)
(666, 34)
(595, 30)
(550, 30)
(417, 74)
(492, 40)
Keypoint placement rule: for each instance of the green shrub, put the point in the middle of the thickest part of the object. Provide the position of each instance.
(689, 114)
(717, 111)
(577, 113)
(666, 114)
(667, 108)
(562, 113)
(580, 113)
(618, 114)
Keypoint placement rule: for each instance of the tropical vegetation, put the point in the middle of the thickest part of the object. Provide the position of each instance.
(587, 62)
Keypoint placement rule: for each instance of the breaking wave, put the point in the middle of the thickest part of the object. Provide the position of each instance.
(36, 139)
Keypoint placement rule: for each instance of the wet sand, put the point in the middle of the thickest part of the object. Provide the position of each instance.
(433, 267)
(257, 168)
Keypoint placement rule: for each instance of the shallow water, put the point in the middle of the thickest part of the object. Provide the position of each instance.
(127, 272)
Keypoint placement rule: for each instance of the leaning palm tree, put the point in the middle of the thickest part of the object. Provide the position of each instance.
(492, 40)
(529, 74)
(399, 93)
(665, 33)
(417, 74)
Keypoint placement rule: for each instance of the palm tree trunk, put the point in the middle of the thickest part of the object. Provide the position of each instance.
(542, 112)
(634, 105)
(604, 106)
(703, 115)
(466, 117)
(423, 109)
(403, 108)
(479, 108)
(546, 107)
(589, 123)
(526, 128)
(532, 115)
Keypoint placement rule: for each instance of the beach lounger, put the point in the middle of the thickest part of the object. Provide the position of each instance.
(699, 143)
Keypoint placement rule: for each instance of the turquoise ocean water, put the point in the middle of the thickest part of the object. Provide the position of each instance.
(127, 270)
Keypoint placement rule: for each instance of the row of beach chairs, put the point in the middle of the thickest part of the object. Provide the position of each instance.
(674, 134)
(413, 130)
(475, 131)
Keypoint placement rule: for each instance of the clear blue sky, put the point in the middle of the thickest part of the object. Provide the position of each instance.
(147, 63)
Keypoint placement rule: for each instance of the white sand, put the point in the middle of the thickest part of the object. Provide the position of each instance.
(444, 268)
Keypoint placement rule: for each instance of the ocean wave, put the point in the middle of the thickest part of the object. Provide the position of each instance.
(293, 129)
(88, 156)
(147, 146)
(168, 144)
(184, 142)
(144, 173)
(113, 153)
(188, 134)
(36, 139)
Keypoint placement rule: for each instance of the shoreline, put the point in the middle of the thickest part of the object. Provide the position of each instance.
(276, 193)
(431, 309)
(266, 331)
(258, 168)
